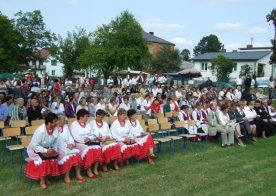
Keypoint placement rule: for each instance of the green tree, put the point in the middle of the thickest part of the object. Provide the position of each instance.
(167, 60)
(116, 46)
(245, 69)
(272, 17)
(209, 43)
(35, 34)
(10, 41)
(70, 49)
(185, 53)
(222, 67)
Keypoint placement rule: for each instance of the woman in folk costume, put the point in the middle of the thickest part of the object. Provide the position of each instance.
(42, 151)
(90, 151)
(197, 116)
(120, 130)
(68, 155)
(185, 116)
(111, 150)
(144, 141)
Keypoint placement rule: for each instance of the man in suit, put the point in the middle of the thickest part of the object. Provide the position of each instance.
(227, 135)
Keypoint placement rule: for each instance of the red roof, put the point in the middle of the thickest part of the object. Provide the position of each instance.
(43, 53)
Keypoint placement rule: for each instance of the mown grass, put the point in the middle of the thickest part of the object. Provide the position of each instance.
(217, 171)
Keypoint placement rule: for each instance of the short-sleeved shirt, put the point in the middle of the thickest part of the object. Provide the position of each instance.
(3, 111)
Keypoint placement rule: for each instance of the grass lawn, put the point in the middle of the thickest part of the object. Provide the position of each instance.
(217, 171)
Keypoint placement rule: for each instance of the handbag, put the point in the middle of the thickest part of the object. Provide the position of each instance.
(90, 143)
(45, 156)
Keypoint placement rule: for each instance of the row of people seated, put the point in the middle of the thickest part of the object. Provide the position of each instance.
(231, 119)
(55, 148)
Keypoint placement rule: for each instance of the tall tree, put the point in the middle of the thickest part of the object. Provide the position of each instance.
(117, 45)
(272, 17)
(71, 48)
(167, 60)
(10, 52)
(245, 69)
(185, 54)
(222, 67)
(209, 43)
(34, 31)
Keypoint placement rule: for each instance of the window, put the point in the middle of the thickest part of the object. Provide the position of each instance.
(33, 62)
(203, 66)
(235, 67)
(53, 72)
(54, 62)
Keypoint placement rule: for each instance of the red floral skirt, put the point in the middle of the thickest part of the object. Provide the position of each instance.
(72, 161)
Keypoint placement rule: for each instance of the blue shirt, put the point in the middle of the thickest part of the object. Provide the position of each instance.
(3, 111)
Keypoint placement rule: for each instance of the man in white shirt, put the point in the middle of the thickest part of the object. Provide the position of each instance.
(238, 93)
(239, 81)
(100, 104)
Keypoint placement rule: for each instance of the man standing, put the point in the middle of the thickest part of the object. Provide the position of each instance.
(247, 83)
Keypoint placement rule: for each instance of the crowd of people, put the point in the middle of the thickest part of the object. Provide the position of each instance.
(242, 113)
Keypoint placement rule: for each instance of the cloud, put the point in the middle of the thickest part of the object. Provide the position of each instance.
(180, 41)
(159, 24)
(227, 26)
(257, 30)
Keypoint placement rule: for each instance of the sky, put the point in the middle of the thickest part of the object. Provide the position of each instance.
(182, 22)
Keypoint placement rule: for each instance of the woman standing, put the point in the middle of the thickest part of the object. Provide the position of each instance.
(144, 141)
(111, 151)
(42, 151)
(91, 153)
(120, 130)
(68, 155)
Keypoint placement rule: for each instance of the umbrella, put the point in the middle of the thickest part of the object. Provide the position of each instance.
(190, 73)
(6, 75)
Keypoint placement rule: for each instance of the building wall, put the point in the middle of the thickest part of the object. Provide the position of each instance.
(53, 70)
(267, 67)
(154, 48)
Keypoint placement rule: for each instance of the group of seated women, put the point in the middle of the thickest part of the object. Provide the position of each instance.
(56, 148)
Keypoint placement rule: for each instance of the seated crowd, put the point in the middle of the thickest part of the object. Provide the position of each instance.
(56, 147)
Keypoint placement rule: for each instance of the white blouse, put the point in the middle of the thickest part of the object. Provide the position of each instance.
(135, 128)
(223, 119)
(79, 133)
(120, 132)
(249, 113)
(64, 138)
(41, 141)
(100, 131)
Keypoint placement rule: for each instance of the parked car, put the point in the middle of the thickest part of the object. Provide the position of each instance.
(218, 85)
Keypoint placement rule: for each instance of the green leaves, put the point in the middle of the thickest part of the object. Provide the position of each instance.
(222, 67)
(167, 60)
(10, 42)
(117, 46)
(209, 43)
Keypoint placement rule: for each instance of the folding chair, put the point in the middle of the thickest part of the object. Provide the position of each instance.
(30, 130)
(154, 128)
(90, 119)
(24, 143)
(160, 115)
(19, 124)
(152, 121)
(139, 117)
(166, 126)
(162, 120)
(70, 121)
(112, 119)
(11, 132)
(168, 114)
(2, 125)
(179, 125)
(37, 122)
(191, 123)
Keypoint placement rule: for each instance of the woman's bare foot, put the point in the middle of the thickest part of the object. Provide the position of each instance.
(151, 162)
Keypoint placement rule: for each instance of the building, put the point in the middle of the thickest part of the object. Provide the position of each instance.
(258, 58)
(47, 66)
(155, 44)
